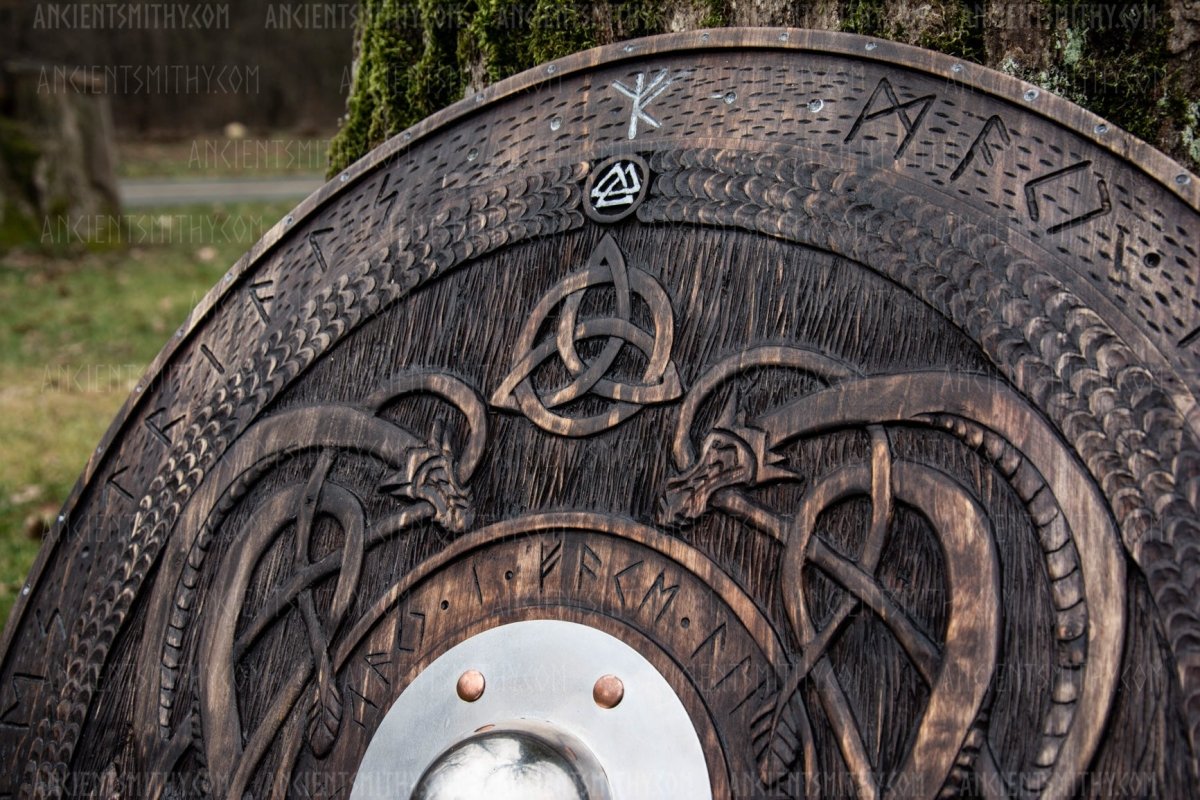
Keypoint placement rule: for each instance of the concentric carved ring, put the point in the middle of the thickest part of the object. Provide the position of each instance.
(659, 382)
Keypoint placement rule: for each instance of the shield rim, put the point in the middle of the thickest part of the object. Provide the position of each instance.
(1057, 111)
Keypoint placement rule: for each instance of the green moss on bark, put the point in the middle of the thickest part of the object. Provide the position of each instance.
(715, 14)
(953, 27)
(417, 56)
(1112, 59)
(406, 70)
(1189, 132)
(505, 37)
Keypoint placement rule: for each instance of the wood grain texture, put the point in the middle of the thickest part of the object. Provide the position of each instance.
(851, 389)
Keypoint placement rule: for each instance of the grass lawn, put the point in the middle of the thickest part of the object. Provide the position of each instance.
(214, 156)
(76, 332)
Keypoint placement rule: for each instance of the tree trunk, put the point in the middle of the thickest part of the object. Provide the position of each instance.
(57, 169)
(1133, 63)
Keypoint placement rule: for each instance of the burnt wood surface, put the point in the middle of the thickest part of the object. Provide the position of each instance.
(852, 386)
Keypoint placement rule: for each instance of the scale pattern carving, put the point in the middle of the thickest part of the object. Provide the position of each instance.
(539, 204)
(1065, 358)
(1055, 349)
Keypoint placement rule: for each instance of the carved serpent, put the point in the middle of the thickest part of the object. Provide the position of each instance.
(1080, 545)
(1066, 359)
(904, 241)
(529, 206)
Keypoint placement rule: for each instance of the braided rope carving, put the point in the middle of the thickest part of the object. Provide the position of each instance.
(1054, 348)
(471, 224)
(1057, 351)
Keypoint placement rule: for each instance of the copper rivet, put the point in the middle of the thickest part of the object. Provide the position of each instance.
(470, 685)
(608, 691)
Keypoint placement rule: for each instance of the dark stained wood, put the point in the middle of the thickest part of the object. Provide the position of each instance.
(853, 387)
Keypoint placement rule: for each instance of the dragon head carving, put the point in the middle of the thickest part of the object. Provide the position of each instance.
(429, 475)
(732, 454)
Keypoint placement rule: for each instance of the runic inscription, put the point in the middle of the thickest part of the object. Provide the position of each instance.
(992, 137)
(640, 96)
(1032, 189)
(883, 102)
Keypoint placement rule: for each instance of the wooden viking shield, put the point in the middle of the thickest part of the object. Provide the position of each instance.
(779, 413)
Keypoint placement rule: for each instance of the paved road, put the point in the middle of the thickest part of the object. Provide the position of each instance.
(167, 192)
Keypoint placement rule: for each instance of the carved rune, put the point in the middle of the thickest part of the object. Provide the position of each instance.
(659, 382)
(873, 110)
(642, 96)
(1063, 178)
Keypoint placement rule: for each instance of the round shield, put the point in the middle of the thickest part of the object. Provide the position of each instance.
(744, 413)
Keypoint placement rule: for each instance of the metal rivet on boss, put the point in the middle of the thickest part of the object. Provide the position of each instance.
(1183, 179)
(609, 691)
(551, 68)
(783, 37)
(540, 675)
(871, 45)
(957, 68)
(1031, 94)
(471, 685)
(816, 105)
(1100, 128)
(556, 123)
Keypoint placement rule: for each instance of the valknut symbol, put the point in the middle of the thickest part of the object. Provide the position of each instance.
(616, 187)
(659, 382)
